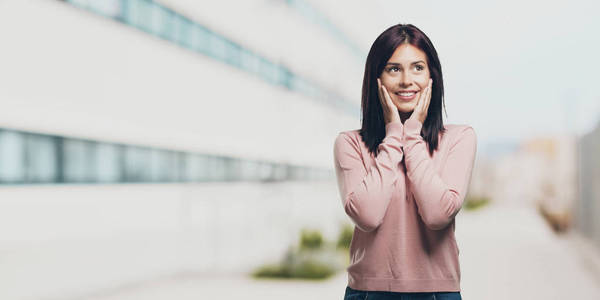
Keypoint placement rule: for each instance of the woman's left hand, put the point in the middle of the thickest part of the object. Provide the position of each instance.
(420, 111)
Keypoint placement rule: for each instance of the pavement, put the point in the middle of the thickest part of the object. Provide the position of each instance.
(507, 251)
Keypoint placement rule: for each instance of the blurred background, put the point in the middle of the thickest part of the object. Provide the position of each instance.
(182, 149)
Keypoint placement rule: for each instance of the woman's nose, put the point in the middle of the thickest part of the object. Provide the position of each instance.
(405, 79)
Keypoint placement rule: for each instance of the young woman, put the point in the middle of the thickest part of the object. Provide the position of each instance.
(403, 176)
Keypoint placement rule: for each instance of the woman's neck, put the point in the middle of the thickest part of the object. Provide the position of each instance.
(404, 116)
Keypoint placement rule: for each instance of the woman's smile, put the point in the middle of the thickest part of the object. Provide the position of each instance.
(406, 96)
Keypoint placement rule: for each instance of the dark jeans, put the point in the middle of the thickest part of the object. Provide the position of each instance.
(352, 294)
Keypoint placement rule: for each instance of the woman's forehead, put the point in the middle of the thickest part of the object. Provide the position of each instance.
(407, 54)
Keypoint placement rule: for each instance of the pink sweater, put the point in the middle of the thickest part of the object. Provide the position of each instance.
(404, 212)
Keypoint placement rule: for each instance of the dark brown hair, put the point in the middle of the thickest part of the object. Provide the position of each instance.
(373, 124)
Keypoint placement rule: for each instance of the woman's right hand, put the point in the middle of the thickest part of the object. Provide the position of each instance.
(390, 111)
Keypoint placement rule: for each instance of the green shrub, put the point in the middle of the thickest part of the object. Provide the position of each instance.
(472, 203)
(309, 260)
(273, 270)
(310, 269)
(311, 239)
(345, 237)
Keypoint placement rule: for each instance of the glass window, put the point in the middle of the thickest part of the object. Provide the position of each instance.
(200, 39)
(108, 8)
(233, 53)
(79, 160)
(108, 162)
(196, 167)
(265, 171)
(249, 62)
(181, 31)
(80, 3)
(284, 76)
(217, 47)
(137, 166)
(162, 21)
(139, 14)
(41, 157)
(163, 165)
(12, 158)
(279, 172)
(249, 170)
(268, 71)
(217, 168)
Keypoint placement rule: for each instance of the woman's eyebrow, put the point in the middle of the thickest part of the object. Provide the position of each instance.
(398, 64)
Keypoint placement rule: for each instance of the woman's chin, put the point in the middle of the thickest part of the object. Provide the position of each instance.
(406, 108)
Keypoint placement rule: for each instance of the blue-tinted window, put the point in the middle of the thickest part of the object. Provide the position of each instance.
(108, 160)
(137, 167)
(249, 170)
(12, 156)
(182, 28)
(217, 47)
(265, 171)
(217, 168)
(139, 14)
(280, 172)
(162, 21)
(41, 157)
(195, 167)
(159, 20)
(200, 39)
(163, 166)
(250, 62)
(79, 161)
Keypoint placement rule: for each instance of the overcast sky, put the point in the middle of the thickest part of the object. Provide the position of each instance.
(512, 69)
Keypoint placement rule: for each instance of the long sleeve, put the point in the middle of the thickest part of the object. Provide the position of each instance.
(438, 197)
(366, 193)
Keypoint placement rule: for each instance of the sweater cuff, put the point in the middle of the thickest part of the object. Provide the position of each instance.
(412, 127)
(393, 128)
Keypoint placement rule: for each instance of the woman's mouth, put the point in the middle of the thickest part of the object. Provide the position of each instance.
(406, 96)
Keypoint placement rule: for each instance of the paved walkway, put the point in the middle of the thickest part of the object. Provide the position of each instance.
(506, 252)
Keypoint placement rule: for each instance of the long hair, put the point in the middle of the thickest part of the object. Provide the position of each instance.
(373, 123)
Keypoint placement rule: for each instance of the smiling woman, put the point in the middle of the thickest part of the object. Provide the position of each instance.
(404, 59)
(403, 176)
(405, 75)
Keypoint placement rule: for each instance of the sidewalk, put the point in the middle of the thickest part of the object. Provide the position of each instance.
(506, 252)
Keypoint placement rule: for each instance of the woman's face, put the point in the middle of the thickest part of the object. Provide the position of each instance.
(405, 76)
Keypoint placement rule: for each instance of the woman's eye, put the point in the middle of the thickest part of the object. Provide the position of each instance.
(393, 69)
(420, 68)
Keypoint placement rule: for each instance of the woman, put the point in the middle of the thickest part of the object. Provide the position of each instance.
(403, 176)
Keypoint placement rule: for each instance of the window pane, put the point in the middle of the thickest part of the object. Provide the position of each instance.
(137, 164)
(41, 158)
(216, 47)
(79, 164)
(249, 170)
(265, 171)
(216, 168)
(109, 8)
(161, 21)
(139, 14)
(181, 31)
(279, 172)
(249, 62)
(12, 159)
(108, 162)
(200, 39)
(163, 165)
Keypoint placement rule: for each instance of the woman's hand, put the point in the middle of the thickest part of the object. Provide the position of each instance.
(390, 111)
(420, 111)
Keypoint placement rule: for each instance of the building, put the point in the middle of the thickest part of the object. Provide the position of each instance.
(143, 138)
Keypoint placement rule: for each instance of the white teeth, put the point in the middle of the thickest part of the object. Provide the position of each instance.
(406, 94)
